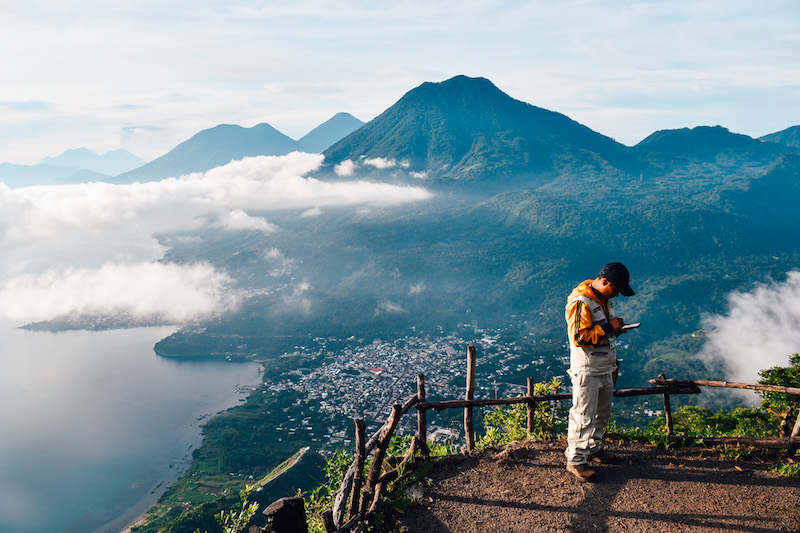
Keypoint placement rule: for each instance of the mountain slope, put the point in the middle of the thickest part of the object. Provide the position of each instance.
(789, 137)
(466, 129)
(711, 144)
(211, 148)
(329, 132)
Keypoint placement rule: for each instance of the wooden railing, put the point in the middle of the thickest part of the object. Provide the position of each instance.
(357, 497)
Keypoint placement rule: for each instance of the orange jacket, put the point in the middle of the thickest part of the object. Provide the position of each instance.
(584, 329)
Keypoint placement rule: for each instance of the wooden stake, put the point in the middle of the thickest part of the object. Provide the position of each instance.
(668, 415)
(327, 521)
(380, 454)
(422, 416)
(531, 407)
(358, 481)
(469, 431)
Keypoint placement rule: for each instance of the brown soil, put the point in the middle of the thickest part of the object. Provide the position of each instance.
(525, 488)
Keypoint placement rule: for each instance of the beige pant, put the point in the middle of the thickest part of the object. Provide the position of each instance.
(589, 415)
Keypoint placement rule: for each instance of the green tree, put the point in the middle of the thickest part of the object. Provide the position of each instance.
(784, 406)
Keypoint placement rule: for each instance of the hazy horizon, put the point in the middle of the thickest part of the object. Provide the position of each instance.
(145, 78)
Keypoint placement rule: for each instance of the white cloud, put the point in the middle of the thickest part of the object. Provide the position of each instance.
(345, 168)
(272, 254)
(387, 306)
(239, 220)
(416, 288)
(159, 291)
(256, 184)
(313, 212)
(56, 238)
(760, 330)
(299, 299)
(382, 163)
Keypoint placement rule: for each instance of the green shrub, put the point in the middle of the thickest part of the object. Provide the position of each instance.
(783, 406)
(504, 425)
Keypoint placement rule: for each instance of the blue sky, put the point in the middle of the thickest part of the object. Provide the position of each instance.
(147, 75)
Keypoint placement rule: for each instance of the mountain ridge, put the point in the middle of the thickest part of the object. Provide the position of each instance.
(711, 144)
(467, 130)
(110, 163)
(329, 132)
(211, 148)
(788, 137)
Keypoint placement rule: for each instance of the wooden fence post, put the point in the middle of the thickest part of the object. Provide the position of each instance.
(327, 521)
(796, 430)
(422, 417)
(378, 456)
(795, 434)
(668, 416)
(286, 515)
(469, 431)
(531, 407)
(358, 481)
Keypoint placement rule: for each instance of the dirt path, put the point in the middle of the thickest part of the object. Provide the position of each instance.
(525, 488)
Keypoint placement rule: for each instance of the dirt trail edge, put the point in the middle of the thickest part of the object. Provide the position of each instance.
(525, 487)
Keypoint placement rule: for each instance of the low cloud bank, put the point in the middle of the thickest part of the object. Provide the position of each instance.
(163, 292)
(227, 193)
(89, 248)
(760, 330)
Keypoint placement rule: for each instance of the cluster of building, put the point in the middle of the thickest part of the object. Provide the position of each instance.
(364, 379)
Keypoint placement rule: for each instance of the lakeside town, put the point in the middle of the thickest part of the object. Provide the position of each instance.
(364, 379)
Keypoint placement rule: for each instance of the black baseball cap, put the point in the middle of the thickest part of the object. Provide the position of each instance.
(617, 274)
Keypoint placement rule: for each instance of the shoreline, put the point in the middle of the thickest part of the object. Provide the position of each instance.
(137, 512)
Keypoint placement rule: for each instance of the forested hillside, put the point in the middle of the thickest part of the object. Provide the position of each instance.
(504, 240)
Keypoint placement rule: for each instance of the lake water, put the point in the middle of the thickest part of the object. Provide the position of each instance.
(94, 425)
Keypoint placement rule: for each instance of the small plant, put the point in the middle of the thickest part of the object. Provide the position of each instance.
(321, 498)
(653, 434)
(509, 424)
(733, 453)
(789, 469)
(443, 450)
(236, 520)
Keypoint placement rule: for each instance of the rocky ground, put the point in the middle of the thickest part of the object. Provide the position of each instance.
(525, 488)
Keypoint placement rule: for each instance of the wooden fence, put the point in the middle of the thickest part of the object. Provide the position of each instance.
(357, 497)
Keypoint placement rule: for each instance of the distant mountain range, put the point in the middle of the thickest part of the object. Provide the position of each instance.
(73, 166)
(225, 143)
(462, 132)
(109, 163)
(205, 150)
(465, 132)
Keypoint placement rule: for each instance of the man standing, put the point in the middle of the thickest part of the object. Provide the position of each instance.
(592, 330)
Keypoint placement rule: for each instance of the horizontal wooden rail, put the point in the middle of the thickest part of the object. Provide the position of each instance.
(662, 381)
(457, 404)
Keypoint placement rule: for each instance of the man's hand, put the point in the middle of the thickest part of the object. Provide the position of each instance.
(617, 324)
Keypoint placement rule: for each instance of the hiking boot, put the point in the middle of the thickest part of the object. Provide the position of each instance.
(582, 472)
(603, 457)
